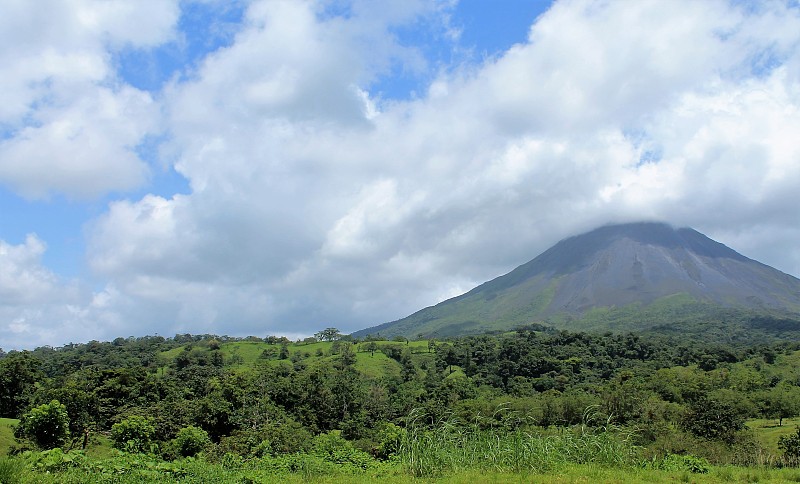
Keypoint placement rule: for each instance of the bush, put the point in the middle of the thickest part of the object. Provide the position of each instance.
(689, 463)
(46, 425)
(714, 419)
(390, 438)
(790, 445)
(134, 434)
(334, 448)
(54, 460)
(190, 441)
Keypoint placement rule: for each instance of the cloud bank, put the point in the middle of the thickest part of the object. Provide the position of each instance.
(315, 202)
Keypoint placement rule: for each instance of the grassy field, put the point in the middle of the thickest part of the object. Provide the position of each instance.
(768, 431)
(7, 434)
(578, 473)
(244, 355)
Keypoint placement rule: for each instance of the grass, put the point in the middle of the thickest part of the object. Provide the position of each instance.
(7, 434)
(767, 431)
(376, 365)
(203, 472)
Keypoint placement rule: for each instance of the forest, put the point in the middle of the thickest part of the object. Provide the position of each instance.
(535, 401)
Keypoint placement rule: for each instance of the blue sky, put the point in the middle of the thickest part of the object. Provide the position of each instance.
(269, 167)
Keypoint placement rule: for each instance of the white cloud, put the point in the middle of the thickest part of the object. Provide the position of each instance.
(67, 124)
(314, 203)
(32, 298)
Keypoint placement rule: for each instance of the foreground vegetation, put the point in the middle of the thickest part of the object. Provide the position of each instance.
(534, 403)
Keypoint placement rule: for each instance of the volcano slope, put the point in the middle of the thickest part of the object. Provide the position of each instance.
(630, 277)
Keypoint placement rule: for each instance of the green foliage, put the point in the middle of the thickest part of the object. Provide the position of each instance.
(688, 463)
(390, 439)
(790, 446)
(190, 441)
(328, 334)
(133, 434)
(450, 445)
(12, 471)
(533, 394)
(46, 425)
(53, 460)
(19, 372)
(332, 447)
(713, 419)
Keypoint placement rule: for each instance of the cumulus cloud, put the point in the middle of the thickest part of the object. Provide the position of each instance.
(67, 124)
(314, 202)
(30, 294)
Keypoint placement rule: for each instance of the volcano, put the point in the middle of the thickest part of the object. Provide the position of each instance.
(630, 277)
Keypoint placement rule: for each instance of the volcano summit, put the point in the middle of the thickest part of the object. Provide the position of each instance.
(629, 277)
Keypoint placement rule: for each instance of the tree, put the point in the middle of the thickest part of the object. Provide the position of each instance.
(371, 347)
(46, 425)
(782, 401)
(348, 356)
(190, 441)
(790, 445)
(134, 434)
(284, 354)
(328, 334)
(19, 372)
(713, 419)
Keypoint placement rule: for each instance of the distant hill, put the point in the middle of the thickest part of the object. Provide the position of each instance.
(630, 277)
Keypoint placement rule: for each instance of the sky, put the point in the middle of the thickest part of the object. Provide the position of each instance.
(268, 167)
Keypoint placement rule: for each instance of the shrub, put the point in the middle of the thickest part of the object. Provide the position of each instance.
(390, 438)
(334, 448)
(134, 434)
(54, 460)
(190, 441)
(674, 462)
(790, 445)
(46, 425)
(714, 419)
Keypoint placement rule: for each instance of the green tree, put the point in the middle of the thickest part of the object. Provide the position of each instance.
(46, 425)
(790, 445)
(134, 434)
(328, 334)
(190, 441)
(713, 419)
(347, 356)
(371, 346)
(19, 372)
(782, 401)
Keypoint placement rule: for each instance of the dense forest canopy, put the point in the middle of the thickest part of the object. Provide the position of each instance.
(254, 397)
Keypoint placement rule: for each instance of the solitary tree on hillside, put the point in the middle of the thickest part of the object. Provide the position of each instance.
(328, 334)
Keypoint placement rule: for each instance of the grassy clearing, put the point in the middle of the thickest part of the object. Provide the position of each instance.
(7, 434)
(768, 431)
(376, 365)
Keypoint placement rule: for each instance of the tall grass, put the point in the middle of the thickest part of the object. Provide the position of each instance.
(448, 446)
(12, 471)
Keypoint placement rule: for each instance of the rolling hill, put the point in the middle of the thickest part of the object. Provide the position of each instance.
(630, 277)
